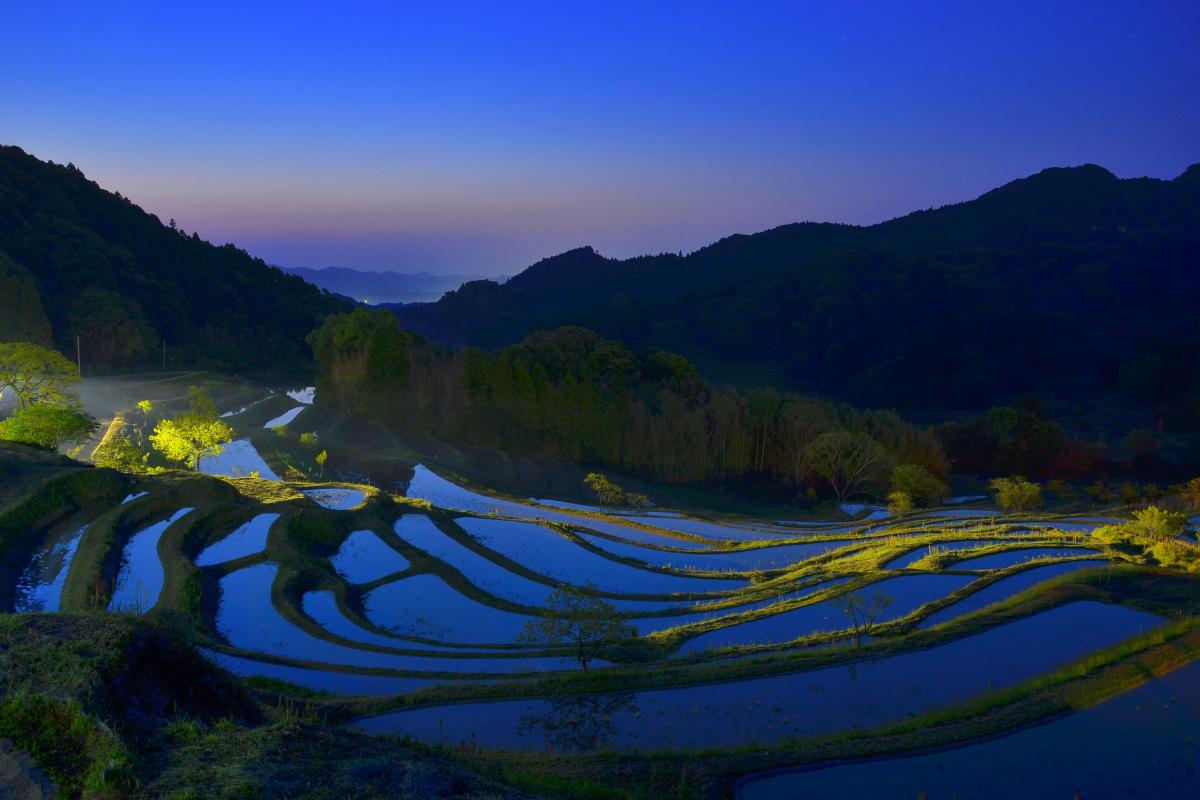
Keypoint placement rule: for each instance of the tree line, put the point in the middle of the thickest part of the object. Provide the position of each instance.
(572, 394)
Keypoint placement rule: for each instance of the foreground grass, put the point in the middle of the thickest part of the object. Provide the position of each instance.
(110, 706)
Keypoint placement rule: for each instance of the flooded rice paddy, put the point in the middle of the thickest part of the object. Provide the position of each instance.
(39, 586)
(410, 601)
(1138, 744)
(762, 710)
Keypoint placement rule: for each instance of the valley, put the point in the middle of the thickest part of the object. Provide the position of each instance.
(399, 605)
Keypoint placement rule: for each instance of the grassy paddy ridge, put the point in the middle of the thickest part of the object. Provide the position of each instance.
(781, 622)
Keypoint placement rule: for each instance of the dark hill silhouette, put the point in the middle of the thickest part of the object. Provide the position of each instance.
(1070, 280)
(113, 274)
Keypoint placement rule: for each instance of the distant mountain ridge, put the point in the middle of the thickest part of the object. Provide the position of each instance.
(384, 287)
(1066, 252)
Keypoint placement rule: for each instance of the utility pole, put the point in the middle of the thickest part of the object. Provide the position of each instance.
(78, 359)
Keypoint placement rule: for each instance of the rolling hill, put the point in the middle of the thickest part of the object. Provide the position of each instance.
(1067, 282)
(76, 260)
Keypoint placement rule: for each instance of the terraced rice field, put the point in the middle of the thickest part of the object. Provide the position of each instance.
(425, 603)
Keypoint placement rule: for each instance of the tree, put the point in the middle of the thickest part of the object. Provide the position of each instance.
(580, 620)
(201, 403)
(321, 458)
(112, 328)
(922, 488)
(47, 426)
(1016, 493)
(849, 461)
(190, 437)
(22, 316)
(610, 494)
(362, 360)
(862, 612)
(1140, 442)
(35, 374)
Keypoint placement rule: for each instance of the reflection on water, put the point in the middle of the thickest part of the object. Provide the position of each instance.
(140, 578)
(39, 588)
(577, 723)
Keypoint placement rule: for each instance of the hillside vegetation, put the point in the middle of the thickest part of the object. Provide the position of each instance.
(1068, 282)
(76, 260)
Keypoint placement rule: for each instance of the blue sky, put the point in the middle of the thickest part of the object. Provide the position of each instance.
(481, 137)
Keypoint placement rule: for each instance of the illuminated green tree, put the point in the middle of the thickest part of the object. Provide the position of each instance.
(47, 426)
(1016, 493)
(190, 437)
(35, 374)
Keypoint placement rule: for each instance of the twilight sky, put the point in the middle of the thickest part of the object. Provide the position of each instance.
(479, 137)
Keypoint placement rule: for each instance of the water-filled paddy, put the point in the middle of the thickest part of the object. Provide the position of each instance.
(304, 395)
(336, 498)
(1138, 744)
(237, 459)
(247, 620)
(548, 553)
(1005, 588)
(245, 540)
(763, 558)
(285, 418)
(908, 592)
(140, 577)
(427, 485)
(647, 625)
(709, 530)
(364, 557)
(769, 709)
(322, 608)
(344, 683)
(427, 607)
(419, 531)
(1009, 558)
(39, 586)
(913, 556)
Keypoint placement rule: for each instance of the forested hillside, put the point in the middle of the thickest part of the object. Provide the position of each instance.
(1068, 282)
(573, 395)
(76, 260)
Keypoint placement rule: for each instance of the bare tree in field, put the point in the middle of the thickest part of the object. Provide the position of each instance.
(581, 621)
(862, 612)
(849, 461)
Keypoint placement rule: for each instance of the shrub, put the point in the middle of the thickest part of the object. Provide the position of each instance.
(48, 426)
(921, 486)
(609, 494)
(1016, 493)
(900, 502)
